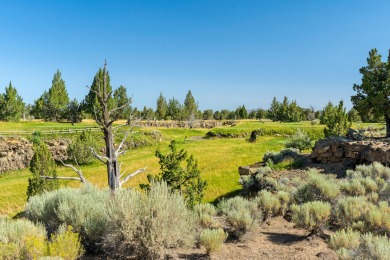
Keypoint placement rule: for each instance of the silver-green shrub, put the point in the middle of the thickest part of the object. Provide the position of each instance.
(205, 213)
(300, 140)
(241, 214)
(83, 209)
(318, 187)
(370, 247)
(313, 215)
(347, 239)
(145, 225)
(212, 239)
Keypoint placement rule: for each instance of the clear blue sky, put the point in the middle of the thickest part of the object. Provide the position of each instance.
(228, 53)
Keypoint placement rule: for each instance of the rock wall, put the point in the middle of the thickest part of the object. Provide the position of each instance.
(15, 153)
(337, 149)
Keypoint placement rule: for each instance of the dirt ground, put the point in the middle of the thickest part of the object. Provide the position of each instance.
(275, 239)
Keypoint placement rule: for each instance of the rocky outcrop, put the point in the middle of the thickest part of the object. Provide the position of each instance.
(58, 149)
(15, 153)
(337, 149)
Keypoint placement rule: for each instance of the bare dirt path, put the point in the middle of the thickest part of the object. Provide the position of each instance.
(275, 239)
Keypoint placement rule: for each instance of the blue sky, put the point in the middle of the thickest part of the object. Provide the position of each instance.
(228, 53)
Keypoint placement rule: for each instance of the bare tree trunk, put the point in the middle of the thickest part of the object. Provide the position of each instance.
(112, 162)
(387, 118)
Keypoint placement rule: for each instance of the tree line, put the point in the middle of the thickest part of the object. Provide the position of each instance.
(55, 105)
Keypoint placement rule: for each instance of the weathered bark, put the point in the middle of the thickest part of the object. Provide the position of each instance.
(105, 119)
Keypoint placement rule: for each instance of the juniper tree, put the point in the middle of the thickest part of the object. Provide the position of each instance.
(372, 95)
(11, 104)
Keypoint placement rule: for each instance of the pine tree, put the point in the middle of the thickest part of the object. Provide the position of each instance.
(11, 105)
(120, 99)
(58, 98)
(372, 95)
(190, 106)
(91, 103)
(186, 180)
(174, 111)
(162, 107)
(274, 110)
(337, 123)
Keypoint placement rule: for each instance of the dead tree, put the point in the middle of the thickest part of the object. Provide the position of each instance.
(105, 117)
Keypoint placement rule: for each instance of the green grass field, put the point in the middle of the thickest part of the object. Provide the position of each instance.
(218, 159)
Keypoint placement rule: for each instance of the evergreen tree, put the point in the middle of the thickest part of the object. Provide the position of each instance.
(294, 112)
(120, 99)
(326, 113)
(147, 113)
(273, 112)
(11, 105)
(243, 112)
(41, 164)
(73, 112)
(162, 107)
(186, 180)
(337, 122)
(174, 111)
(91, 102)
(207, 114)
(372, 95)
(58, 98)
(353, 115)
(190, 106)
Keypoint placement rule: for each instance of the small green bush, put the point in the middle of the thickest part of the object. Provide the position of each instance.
(212, 239)
(205, 214)
(350, 210)
(318, 187)
(277, 157)
(353, 187)
(65, 244)
(374, 170)
(269, 203)
(241, 214)
(347, 239)
(21, 238)
(370, 247)
(313, 216)
(80, 148)
(300, 140)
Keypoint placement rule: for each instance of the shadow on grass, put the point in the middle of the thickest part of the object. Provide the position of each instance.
(228, 195)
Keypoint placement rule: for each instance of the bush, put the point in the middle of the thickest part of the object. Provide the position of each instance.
(252, 184)
(344, 239)
(370, 247)
(313, 215)
(269, 203)
(241, 214)
(277, 157)
(374, 170)
(315, 122)
(41, 164)
(79, 148)
(318, 187)
(65, 244)
(83, 209)
(300, 140)
(212, 239)
(205, 214)
(350, 210)
(131, 223)
(21, 238)
(145, 225)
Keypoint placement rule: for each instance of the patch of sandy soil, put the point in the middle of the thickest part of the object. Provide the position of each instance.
(275, 239)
